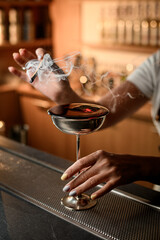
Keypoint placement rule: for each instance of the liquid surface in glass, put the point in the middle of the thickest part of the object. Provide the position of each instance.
(78, 111)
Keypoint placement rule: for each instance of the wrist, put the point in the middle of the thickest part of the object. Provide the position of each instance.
(65, 95)
(151, 169)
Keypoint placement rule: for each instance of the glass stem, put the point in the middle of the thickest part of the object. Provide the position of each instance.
(78, 155)
(78, 147)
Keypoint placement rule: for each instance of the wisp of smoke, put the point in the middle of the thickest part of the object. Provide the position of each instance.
(47, 66)
(49, 70)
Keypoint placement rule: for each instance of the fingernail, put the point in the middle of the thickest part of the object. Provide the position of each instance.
(40, 57)
(64, 176)
(93, 196)
(66, 188)
(21, 49)
(14, 54)
(73, 193)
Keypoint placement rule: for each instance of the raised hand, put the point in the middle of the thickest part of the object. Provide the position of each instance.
(21, 58)
(58, 91)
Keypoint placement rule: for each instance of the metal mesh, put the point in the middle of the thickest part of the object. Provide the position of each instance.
(114, 217)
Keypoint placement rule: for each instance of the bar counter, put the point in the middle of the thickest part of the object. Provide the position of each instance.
(30, 207)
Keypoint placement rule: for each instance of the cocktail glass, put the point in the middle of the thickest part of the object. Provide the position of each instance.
(78, 119)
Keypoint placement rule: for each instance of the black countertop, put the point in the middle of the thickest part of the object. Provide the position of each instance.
(30, 192)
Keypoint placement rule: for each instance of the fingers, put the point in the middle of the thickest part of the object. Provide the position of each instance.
(19, 59)
(80, 186)
(22, 57)
(105, 189)
(40, 53)
(27, 55)
(100, 169)
(79, 165)
(87, 179)
(18, 73)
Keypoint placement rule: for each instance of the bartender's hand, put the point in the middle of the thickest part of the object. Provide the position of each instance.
(58, 91)
(111, 169)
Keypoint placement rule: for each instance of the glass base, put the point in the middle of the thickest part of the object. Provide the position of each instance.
(81, 202)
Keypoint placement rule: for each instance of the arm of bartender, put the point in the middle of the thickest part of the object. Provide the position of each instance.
(112, 169)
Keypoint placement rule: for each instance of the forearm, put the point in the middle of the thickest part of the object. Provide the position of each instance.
(122, 102)
(64, 94)
(152, 170)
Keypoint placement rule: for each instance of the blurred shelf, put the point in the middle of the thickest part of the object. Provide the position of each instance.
(127, 48)
(24, 3)
(104, 0)
(27, 44)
